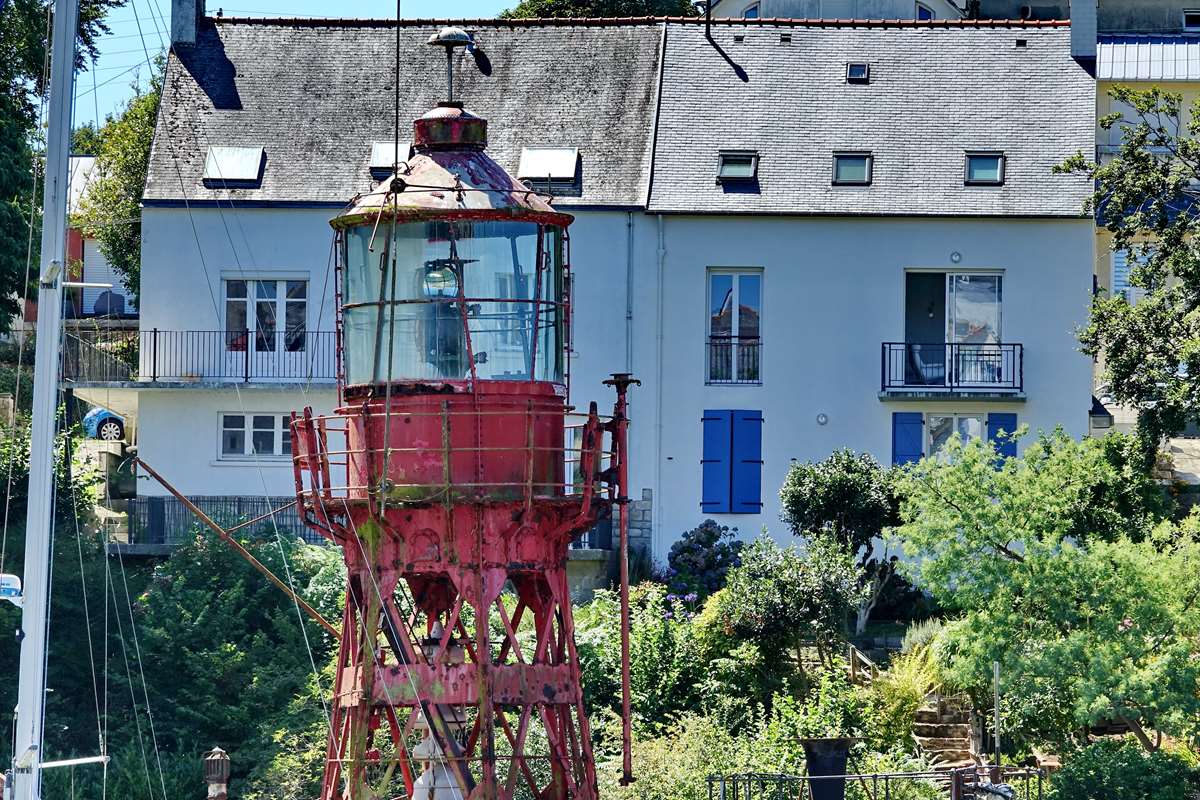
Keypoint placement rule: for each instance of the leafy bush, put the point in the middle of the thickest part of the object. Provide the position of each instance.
(674, 766)
(701, 559)
(898, 692)
(783, 599)
(664, 670)
(852, 498)
(1112, 770)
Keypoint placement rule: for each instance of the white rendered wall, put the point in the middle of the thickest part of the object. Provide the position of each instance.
(179, 436)
(833, 292)
(181, 282)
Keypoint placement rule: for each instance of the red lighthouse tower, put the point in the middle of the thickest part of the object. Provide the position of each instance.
(454, 478)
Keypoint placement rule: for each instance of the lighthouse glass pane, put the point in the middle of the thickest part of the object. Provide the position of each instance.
(422, 298)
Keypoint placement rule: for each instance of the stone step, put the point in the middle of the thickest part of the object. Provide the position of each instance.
(932, 744)
(931, 716)
(942, 730)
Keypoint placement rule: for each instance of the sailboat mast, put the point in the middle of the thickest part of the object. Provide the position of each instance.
(31, 695)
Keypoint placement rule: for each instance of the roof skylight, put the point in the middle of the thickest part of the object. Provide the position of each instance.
(383, 154)
(233, 164)
(736, 166)
(548, 163)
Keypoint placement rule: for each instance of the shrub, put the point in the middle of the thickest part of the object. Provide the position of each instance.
(701, 559)
(1110, 769)
(675, 766)
(897, 694)
(664, 670)
(782, 599)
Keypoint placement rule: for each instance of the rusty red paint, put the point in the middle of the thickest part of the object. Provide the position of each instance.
(442, 494)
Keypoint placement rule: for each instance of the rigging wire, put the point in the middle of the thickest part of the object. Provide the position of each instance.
(137, 719)
(137, 649)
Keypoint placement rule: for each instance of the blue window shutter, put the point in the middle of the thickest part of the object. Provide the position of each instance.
(996, 423)
(747, 462)
(908, 437)
(716, 461)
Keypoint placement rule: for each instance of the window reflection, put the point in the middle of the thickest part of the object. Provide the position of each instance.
(422, 299)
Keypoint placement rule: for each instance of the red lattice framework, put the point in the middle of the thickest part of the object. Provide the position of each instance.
(457, 673)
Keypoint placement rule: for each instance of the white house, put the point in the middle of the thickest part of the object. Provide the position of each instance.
(799, 237)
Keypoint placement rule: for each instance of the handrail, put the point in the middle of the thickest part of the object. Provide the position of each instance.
(948, 366)
(153, 355)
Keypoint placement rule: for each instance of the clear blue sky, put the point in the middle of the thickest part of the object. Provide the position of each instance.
(122, 60)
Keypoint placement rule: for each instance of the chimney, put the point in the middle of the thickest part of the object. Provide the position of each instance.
(185, 19)
(1083, 32)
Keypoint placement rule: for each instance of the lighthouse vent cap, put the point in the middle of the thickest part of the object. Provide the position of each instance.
(449, 37)
(449, 127)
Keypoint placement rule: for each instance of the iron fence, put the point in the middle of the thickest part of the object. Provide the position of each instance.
(165, 520)
(191, 356)
(1010, 783)
(735, 359)
(952, 365)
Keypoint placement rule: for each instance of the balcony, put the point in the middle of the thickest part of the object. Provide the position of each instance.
(928, 370)
(734, 360)
(114, 356)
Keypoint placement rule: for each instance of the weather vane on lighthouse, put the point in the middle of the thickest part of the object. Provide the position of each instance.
(454, 478)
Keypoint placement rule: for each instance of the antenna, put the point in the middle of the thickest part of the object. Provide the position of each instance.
(450, 38)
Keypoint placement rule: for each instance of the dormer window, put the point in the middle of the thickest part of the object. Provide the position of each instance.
(984, 169)
(852, 169)
(858, 72)
(383, 156)
(751, 12)
(552, 169)
(925, 12)
(233, 165)
(737, 166)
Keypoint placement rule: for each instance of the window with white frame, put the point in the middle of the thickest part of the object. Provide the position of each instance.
(255, 435)
(272, 313)
(940, 428)
(734, 326)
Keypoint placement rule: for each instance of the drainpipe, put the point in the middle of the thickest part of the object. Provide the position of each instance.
(656, 509)
(629, 292)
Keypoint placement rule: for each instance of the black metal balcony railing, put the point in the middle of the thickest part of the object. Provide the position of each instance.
(734, 359)
(165, 520)
(158, 355)
(952, 366)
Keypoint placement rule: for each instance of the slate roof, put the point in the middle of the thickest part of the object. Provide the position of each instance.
(934, 93)
(316, 95)
(1148, 58)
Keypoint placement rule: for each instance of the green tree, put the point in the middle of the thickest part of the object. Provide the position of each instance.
(22, 53)
(600, 8)
(848, 496)
(1103, 624)
(1145, 195)
(785, 600)
(111, 210)
(225, 654)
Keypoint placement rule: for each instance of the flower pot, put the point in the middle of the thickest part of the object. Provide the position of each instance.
(827, 757)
